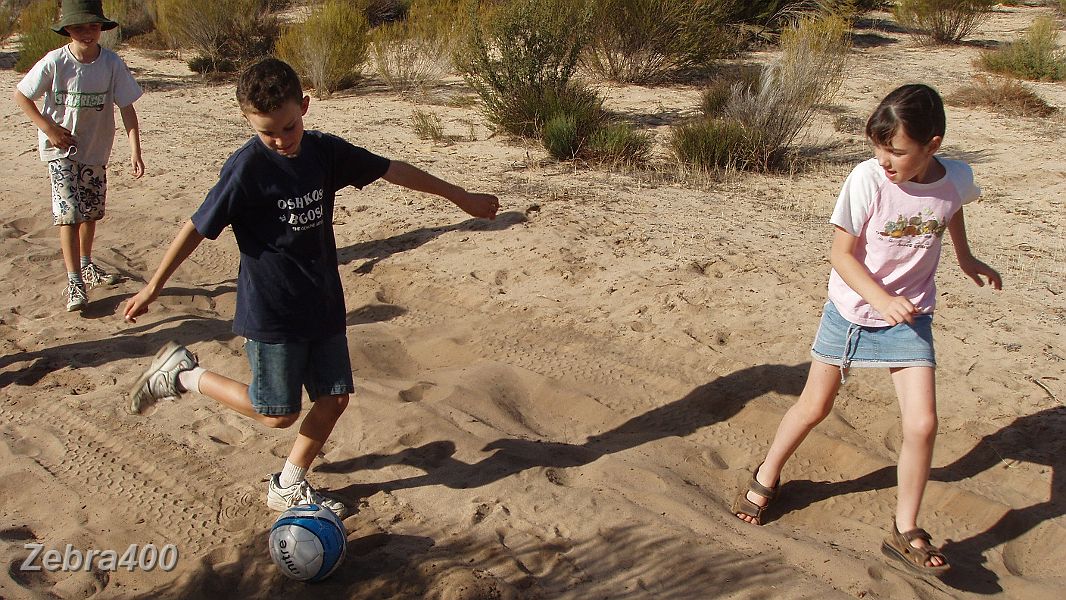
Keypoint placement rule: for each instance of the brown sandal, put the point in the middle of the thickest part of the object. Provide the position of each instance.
(898, 546)
(743, 506)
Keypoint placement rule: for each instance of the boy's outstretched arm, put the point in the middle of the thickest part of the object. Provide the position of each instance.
(57, 134)
(183, 245)
(133, 130)
(483, 206)
(969, 264)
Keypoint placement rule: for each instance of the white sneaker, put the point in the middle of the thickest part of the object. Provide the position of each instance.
(160, 380)
(76, 297)
(93, 276)
(282, 498)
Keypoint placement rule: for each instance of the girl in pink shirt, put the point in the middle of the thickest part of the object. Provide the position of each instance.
(888, 225)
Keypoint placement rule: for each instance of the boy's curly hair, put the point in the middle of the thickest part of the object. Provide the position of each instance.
(266, 85)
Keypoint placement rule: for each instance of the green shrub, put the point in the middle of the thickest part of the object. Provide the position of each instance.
(808, 73)
(219, 30)
(413, 52)
(1035, 56)
(643, 41)
(619, 143)
(714, 144)
(329, 48)
(942, 21)
(36, 37)
(1007, 96)
(519, 58)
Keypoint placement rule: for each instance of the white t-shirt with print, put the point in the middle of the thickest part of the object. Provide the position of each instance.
(900, 229)
(82, 98)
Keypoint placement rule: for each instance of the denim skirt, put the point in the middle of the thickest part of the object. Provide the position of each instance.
(844, 344)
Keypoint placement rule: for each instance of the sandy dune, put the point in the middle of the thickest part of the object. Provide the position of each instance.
(557, 404)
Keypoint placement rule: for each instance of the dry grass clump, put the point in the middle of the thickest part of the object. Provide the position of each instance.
(942, 21)
(1007, 96)
(328, 49)
(428, 126)
(1035, 56)
(415, 51)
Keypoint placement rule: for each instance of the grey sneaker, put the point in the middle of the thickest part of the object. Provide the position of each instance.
(281, 498)
(160, 380)
(93, 276)
(76, 298)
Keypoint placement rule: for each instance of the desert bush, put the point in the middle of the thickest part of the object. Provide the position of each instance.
(715, 144)
(520, 57)
(36, 37)
(1007, 96)
(808, 73)
(329, 48)
(643, 41)
(1034, 56)
(942, 21)
(379, 12)
(413, 52)
(9, 14)
(567, 119)
(220, 31)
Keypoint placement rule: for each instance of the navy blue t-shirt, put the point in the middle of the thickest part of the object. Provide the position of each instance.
(281, 211)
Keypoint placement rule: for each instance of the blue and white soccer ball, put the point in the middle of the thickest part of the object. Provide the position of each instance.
(308, 542)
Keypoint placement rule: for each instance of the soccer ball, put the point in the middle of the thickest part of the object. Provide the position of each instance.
(308, 542)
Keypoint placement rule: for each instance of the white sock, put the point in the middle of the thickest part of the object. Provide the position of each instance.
(291, 475)
(190, 380)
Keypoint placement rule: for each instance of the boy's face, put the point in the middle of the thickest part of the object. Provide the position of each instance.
(282, 129)
(84, 34)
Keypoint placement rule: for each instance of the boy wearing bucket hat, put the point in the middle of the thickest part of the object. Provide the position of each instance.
(80, 83)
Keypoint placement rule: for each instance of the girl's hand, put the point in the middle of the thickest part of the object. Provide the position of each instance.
(974, 269)
(896, 310)
(138, 166)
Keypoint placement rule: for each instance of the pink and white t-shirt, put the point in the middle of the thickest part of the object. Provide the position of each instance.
(900, 229)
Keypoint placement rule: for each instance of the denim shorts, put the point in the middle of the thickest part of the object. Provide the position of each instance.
(844, 344)
(78, 191)
(322, 367)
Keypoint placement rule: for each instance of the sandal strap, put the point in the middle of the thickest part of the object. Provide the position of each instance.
(917, 534)
(766, 492)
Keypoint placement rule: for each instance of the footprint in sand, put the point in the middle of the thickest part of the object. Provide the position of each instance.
(416, 392)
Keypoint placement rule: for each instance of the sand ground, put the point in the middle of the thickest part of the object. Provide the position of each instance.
(557, 404)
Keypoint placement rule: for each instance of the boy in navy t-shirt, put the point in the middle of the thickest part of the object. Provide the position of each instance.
(277, 193)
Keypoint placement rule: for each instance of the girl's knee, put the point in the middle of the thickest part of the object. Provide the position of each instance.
(920, 427)
(813, 412)
(335, 404)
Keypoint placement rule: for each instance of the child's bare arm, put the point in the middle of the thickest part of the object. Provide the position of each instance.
(969, 264)
(894, 309)
(478, 205)
(183, 245)
(133, 131)
(59, 136)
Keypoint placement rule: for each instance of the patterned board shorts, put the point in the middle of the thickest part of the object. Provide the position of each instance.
(78, 191)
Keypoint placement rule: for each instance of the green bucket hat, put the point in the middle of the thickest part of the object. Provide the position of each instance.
(76, 12)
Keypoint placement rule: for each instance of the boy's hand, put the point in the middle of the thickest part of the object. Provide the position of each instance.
(974, 269)
(60, 137)
(896, 310)
(138, 304)
(482, 206)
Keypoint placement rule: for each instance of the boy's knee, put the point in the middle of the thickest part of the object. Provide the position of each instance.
(335, 404)
(279, 421)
